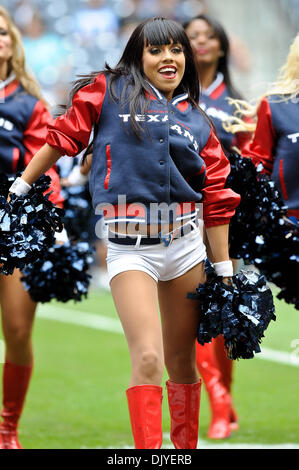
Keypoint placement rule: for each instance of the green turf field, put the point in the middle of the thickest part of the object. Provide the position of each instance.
(77, 395)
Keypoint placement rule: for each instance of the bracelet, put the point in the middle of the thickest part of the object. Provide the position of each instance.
(20, 187)
(75, 178)
(61, 236)
(224, 268)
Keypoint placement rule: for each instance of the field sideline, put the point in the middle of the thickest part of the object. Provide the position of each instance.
(77, 396)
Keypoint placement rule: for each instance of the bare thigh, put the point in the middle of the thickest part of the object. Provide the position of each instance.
(17, 313)
(136, 300)
(180, 318)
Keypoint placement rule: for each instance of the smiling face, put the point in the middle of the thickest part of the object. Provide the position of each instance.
(204, 41)
(5, 42)
(164, 67)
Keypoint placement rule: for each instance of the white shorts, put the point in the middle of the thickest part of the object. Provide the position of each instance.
(160, 262)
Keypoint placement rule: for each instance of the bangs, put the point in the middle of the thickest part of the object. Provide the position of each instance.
(160, 31)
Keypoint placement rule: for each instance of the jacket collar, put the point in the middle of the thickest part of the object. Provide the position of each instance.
(214, 85)
(9, 86)
(6, 82)
(157, 94)
(174, 101)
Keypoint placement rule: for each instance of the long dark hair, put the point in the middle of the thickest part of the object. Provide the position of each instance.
(223, 63)
(154, 31)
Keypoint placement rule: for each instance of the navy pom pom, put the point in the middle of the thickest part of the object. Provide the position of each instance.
(241, 312)
(61, 274)
(260, 232)
(27, 224)
(261, 209)
(281, 263)
(78, 211)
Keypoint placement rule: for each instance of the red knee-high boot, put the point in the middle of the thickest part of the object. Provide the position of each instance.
(226, 368)
(145, 409)
(225, 364)
(219, 398)
(184, 402)
(15, 385)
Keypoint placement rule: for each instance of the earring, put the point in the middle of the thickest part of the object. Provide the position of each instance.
(221, 53)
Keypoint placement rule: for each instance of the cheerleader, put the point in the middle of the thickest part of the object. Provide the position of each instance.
(23, 119)
(276, 130)
(211, 50)
(155, 157)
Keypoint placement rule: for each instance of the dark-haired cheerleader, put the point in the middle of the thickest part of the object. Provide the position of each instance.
(23, 120)
(155, 156)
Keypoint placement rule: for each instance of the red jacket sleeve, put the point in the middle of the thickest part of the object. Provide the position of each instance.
(34, 138)
(263, 143)
(70, 133)
(35, 134)
(244, 138)
(219, 203)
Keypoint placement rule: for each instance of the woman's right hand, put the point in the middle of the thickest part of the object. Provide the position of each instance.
(75, 178)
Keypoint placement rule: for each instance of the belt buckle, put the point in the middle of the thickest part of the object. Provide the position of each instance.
(166, 239)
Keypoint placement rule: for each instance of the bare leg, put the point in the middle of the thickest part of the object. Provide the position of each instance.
(135, 298)
(17, 311)
(179, 324)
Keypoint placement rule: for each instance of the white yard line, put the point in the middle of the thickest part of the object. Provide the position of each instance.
(75, 317)
(281, 357)
(100, 322)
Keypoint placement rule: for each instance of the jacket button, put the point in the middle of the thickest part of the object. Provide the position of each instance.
(171, 112)
(161, 184)
(161, 141)
(161, 162)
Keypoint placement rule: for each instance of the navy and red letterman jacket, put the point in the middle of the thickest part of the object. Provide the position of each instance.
(213, 100)
(23, 130)
(178, 160)
(276, 146)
